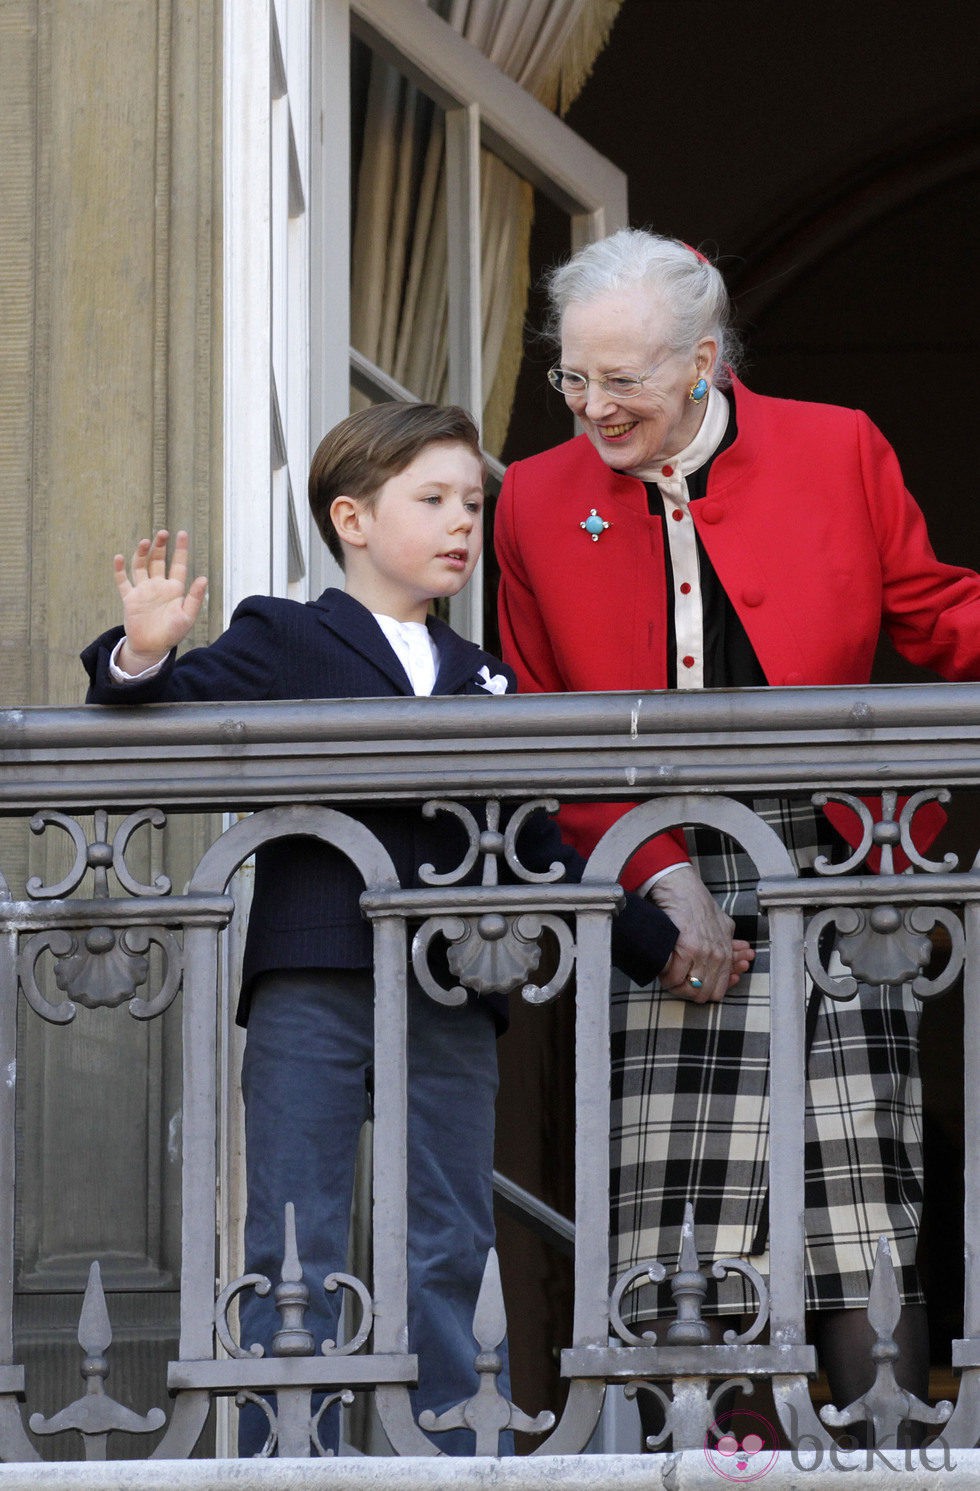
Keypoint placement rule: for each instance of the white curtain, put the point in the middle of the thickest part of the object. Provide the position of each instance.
(399, 251)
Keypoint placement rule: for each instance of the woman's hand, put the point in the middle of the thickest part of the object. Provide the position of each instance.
(705, 949)
(158, 607)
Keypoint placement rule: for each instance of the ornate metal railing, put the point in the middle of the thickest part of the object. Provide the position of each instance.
(107, 938)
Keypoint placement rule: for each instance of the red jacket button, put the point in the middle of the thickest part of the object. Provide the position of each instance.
(677, 515)
(688, 662)
(667, 470)
(712, 512)
(753, 597)
(685, 589)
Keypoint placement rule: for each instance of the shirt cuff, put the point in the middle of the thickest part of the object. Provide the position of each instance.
(118, 676)
(647, 886)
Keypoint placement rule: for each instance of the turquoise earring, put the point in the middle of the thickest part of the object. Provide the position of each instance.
(698, 391)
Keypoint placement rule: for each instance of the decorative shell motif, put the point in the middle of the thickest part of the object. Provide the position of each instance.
(491, 957)
(103, 971)
(883, 948)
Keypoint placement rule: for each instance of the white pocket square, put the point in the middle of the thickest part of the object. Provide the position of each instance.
(494, 683)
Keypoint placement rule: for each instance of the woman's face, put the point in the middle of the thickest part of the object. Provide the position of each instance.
(626, 331)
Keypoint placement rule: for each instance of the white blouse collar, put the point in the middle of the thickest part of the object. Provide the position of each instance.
(701, 448)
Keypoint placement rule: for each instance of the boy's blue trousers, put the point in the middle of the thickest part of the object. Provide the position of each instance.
(307, 1083)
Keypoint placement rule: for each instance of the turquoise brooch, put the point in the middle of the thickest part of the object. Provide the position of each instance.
(594, 525)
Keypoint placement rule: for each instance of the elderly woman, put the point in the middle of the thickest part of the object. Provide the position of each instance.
(700, 535)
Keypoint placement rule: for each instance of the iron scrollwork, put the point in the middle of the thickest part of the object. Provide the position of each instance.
(98, 855)
(292, 1299)
(886, 944)
(886, 833)
(100, 970)
(689, 1286)
(695, 1401)
(492, 952)
(293, 1404)
(102, 965)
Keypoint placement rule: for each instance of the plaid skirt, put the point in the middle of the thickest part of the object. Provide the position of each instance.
(690, 1113)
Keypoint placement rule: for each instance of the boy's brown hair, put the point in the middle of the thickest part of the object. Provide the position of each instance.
(366, 449)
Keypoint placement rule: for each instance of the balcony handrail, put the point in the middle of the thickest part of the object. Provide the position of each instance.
(614, 745)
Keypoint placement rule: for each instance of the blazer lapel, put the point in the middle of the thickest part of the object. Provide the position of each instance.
(355, 625)
(459, 660)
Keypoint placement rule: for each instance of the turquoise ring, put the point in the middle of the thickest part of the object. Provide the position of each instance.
(695, 982)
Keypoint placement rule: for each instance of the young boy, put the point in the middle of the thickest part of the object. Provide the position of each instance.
(397, 493)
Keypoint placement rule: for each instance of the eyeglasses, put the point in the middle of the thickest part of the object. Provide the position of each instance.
(616, 385)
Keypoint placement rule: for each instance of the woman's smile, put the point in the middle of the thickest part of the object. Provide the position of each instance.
(628, 333)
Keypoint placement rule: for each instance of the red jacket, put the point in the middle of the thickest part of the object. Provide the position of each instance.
(810, 529)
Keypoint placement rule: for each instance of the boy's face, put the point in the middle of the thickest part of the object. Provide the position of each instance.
(423, 538)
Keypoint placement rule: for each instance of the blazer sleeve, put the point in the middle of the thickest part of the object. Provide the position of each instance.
(931, 610)
(643, 936)
(526, 646)
(243, 663)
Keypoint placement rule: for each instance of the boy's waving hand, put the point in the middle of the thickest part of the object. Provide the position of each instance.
(159, 608)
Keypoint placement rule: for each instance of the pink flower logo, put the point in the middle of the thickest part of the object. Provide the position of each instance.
(741, 1447)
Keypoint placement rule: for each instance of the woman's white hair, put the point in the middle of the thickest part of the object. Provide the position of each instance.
(690, 287)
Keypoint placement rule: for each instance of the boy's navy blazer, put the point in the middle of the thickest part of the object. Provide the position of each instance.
(305, 909)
